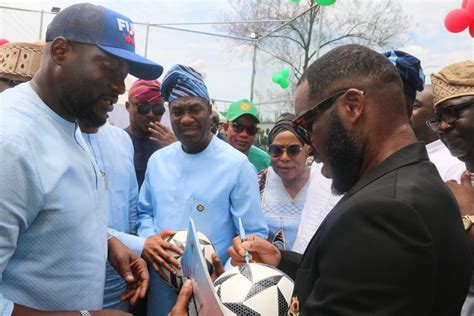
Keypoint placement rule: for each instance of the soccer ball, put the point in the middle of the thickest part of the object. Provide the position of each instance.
(254, 289)
(179, 240)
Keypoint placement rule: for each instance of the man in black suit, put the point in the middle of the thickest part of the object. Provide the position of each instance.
(394, 244)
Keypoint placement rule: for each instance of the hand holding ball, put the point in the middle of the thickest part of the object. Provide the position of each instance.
(179, 240)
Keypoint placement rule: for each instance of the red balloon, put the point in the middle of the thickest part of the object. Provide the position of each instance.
(464, 3)
(457, 20)
(471, 29)
(470, 8)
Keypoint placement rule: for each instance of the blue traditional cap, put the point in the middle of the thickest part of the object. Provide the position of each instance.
(112, 32)
(183, 81)
(409, 68)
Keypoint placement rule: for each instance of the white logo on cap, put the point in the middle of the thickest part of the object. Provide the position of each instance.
(123, 24)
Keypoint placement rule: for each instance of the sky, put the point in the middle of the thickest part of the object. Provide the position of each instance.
(228, 68)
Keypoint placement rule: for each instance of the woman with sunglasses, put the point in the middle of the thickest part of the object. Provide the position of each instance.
(283, 186)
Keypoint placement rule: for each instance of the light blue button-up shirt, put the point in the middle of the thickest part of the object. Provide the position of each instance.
(53, 246)
(112, 149)
(215, 187)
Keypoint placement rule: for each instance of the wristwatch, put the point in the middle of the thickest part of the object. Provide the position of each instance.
(85, 313)
(468, 221)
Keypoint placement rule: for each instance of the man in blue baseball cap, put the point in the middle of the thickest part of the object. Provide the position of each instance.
(55, 242)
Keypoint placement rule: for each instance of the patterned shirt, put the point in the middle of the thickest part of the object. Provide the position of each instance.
(280, 210)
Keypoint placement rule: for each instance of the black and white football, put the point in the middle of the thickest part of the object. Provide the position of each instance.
(254, 289)
(179, 240)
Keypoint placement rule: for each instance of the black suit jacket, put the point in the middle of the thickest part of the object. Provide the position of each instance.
(393, 245)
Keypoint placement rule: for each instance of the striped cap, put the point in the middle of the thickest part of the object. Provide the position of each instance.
(183, 81)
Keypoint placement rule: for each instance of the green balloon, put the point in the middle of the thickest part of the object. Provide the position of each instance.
(284, 84)
(277, 78)
(285, 72)
(295, 1)
(325, 2)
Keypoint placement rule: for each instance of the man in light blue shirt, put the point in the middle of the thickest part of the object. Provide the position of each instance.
(201, 177)
(112, 150)
(53, 224)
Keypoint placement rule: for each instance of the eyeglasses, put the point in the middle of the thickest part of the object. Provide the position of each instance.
(306, 120)
(144, 108)
(239, 128)
(448, 115)
(276, 151)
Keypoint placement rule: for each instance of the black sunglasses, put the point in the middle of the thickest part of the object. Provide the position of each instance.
(239, 128)
(144, 109)
(448, 115)
(276, 151)
(303, 124)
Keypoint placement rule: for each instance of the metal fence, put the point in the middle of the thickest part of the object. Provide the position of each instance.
(244, 70)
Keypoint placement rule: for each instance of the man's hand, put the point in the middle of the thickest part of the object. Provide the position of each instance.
(160, 134)
(131, 268)
(154, 251)
(182, 303)
(218, 267)
(260, 251)
(464, 193)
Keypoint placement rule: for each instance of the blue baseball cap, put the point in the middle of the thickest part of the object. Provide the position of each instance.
(112, 32)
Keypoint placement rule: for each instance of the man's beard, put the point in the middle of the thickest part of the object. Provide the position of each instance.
(90, 119)
(81, 105)
(345, 156)
(86, 114)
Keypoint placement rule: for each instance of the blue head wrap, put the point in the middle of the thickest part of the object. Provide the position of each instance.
(182, 81)
(409, 68)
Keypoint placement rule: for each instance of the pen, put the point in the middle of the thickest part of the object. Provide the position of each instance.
(243, 238)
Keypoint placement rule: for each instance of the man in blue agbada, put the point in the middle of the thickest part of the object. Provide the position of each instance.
(199, 177)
